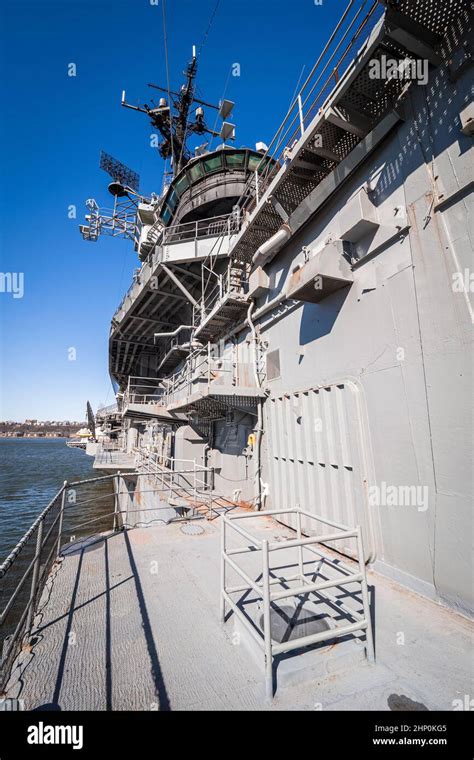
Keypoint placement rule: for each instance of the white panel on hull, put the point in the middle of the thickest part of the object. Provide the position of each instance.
(318, 449)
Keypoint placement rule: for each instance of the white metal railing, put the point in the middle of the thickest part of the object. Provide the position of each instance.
(357, 21)
(144, 390)
(110, 446)
(202, 369)
(183, 478)
(215, 226)
(216, 286)
(218, 226)
(34, 555)
(262, 586)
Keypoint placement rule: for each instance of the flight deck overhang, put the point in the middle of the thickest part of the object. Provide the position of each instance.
(215, 400)
(338, 129)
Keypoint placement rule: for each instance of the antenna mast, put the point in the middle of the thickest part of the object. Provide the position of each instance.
(172, 120)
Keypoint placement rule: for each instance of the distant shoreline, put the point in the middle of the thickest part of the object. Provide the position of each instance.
(30, 437)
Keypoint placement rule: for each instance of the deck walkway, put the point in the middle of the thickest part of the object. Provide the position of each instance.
(129, 620)
(110, 461)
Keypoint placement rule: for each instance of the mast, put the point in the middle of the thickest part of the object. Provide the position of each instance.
(172, 120)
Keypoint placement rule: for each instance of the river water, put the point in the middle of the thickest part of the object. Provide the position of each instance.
(32, 471)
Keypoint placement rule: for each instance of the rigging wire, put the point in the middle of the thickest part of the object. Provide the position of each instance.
(209, 26)
(217, 116)
(165, 40)
(293, 97)
(278, 138)
(203, 42)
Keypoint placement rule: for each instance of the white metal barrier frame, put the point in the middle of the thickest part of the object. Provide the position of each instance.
(192, 478)
(263, 590)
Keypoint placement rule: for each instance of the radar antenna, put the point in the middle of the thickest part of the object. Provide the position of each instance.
(121, 220)
(124, 179)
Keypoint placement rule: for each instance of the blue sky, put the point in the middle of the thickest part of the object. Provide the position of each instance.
(52, 128)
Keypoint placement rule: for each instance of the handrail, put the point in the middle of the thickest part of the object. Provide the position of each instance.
(304, 106)
(227, 225)
(196, 487)
(224, 224)
(17, 609)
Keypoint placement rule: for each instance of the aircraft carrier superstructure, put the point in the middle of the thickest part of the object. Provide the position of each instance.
(296, 342)
(295, 326)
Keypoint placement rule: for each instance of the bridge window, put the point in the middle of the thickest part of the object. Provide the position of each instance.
(196, 171)
(213, 164)
(235, 160)
(181, 184)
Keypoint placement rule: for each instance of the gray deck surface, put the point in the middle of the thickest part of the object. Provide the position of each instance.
(114, 460)
(130, 621)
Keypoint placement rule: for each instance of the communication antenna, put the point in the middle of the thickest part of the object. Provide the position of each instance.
(124, 179)
(227, 129)
(174, 121)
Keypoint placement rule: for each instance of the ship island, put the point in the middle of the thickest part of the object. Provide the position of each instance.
(289, 453)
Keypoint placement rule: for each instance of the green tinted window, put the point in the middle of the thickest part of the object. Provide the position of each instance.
(172, 200)
(264, 165)
(196, 171)
(166, 214)
(181, 184)
(254, 162)
(212, 164)
(235, 160)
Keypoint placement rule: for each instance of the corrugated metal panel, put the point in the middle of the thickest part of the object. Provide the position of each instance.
(317, 459)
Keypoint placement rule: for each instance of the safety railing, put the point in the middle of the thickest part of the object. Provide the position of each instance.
(202, 369)
(355, 24)
(110, 445)
(143, 390)
(71, 515)
(183, 478)
(216, 286)
(268, 579)
(25, 570)
(215, 226)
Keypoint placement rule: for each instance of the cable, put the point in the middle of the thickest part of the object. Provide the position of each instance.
(204, 39)
(165, 40)
(197, 57)
(222, 98)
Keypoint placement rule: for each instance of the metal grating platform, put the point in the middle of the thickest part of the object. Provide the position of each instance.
(223, 316)
(409, 29)
(214, 406)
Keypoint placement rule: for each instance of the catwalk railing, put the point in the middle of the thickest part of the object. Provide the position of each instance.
(202, 370)
(355, 24)
(143, 390)
(179, 478)
(72, 514)
(215, 226)
(217, 285)
(219, 227)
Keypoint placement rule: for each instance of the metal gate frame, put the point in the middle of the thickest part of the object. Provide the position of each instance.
(264, 639)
